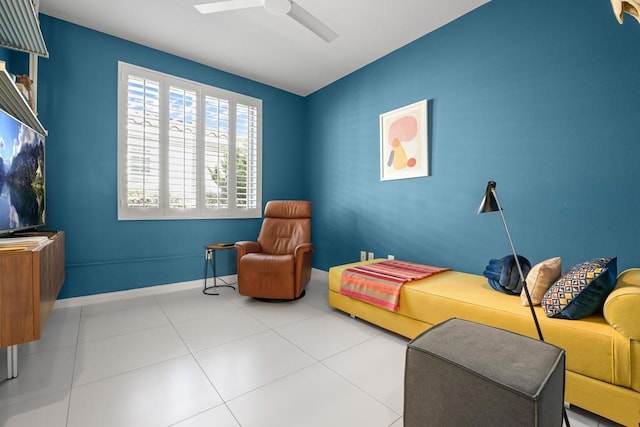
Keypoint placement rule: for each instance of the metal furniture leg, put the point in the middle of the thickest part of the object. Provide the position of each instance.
(12, 361)
(206, 268)
(210, 256)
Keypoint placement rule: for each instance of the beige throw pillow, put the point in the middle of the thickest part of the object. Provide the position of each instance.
(540, 278)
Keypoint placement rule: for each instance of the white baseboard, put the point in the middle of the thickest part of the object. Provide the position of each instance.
(153, 290)
(133, 293)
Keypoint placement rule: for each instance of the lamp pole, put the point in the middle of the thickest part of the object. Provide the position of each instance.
(515, 256)
(487, 205)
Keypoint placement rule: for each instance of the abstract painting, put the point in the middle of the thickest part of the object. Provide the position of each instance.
(404, 145)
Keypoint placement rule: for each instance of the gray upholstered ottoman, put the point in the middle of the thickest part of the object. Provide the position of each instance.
(461, 373)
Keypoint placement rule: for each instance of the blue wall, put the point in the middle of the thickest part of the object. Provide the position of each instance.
(542, 97)
(5, 55)
(78, 106)
(15, 61)
(538, 96)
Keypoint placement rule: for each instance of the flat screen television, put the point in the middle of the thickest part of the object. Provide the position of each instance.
(21, 176)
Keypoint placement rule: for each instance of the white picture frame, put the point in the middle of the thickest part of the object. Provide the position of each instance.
(404, 142)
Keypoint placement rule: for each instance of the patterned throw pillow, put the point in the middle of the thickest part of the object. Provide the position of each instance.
(582, 290)
(540, 278)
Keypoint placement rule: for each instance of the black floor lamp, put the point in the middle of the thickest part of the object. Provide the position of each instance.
(490, 203)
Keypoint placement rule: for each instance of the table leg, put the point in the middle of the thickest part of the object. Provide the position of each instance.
(208, 257)
(206, 267)
(215, 273)
(12, 361)
(211, 257)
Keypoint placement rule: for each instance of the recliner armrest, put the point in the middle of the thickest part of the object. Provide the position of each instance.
(303, 256)
(302, 248)
(246, 247)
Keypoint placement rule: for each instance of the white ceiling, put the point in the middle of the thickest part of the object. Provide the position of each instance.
(271, 49)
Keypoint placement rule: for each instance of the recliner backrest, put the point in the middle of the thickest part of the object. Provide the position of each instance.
(286, 225)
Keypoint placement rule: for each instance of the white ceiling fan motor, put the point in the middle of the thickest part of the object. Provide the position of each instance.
(277, 7)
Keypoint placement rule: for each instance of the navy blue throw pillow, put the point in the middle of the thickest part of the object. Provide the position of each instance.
(503, 276)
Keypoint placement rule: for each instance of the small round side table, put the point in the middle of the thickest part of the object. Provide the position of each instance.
(210, 258)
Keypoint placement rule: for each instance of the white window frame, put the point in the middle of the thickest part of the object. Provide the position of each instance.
(200, 211)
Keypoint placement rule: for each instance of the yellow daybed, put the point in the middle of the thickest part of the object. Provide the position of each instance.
(602, 352)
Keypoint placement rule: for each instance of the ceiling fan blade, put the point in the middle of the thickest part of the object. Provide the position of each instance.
(312, 23)
(225, 5)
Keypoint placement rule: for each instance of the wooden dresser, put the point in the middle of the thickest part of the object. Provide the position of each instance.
(30, 280)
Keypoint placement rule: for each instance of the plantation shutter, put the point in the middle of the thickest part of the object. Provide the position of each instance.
(246, 156)
(182, 155)
(143, 143)
(216, 152)
(186, 150)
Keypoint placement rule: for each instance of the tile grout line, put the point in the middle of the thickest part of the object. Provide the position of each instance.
(193, 357)
(73, 370)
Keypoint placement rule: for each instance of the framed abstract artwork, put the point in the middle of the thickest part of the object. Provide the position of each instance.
(404, 142)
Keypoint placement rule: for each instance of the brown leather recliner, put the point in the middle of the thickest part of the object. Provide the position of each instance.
(278, 265)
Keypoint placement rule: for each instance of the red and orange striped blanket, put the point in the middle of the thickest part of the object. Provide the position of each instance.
(380, 283)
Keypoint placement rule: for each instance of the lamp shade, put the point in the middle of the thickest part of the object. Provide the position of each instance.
(489, 202)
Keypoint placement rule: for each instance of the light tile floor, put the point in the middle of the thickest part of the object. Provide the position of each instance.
(187, 359)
